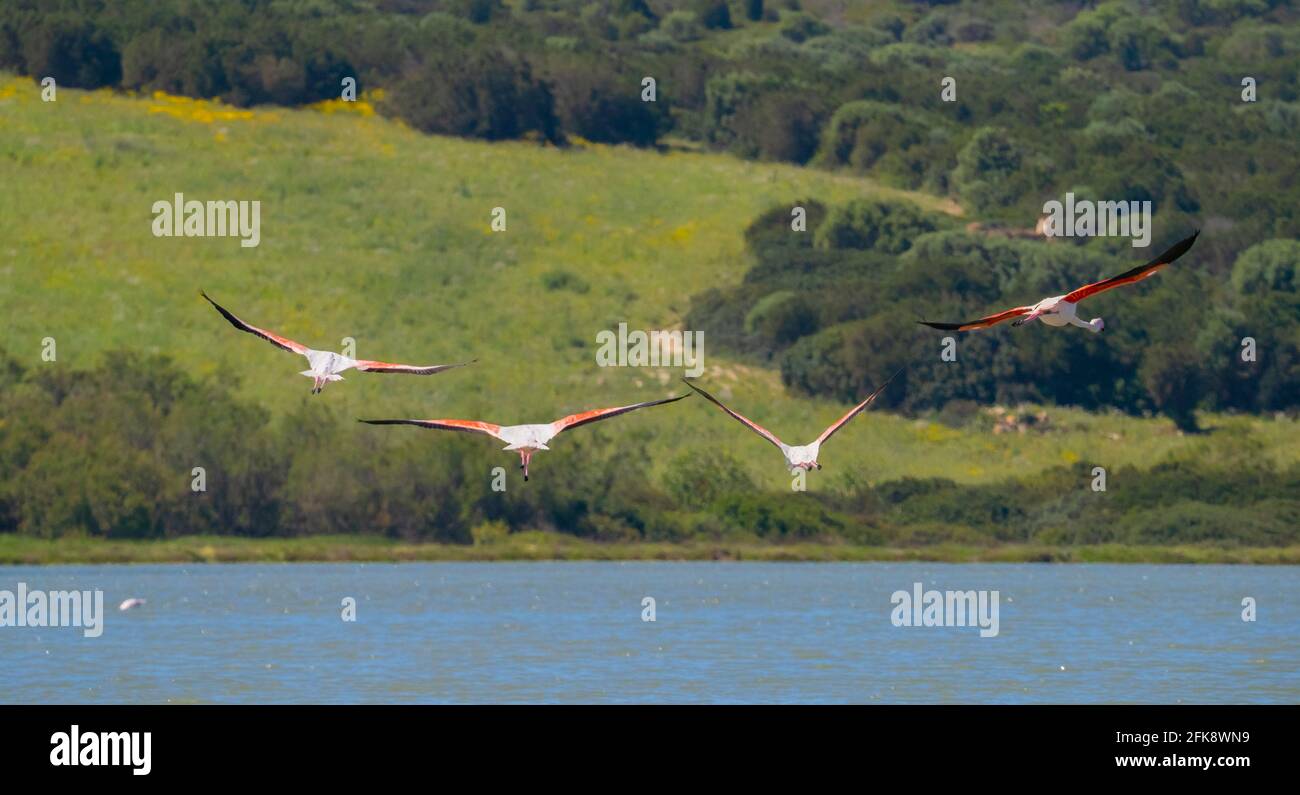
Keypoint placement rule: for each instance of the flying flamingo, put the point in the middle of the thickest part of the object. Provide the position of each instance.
(526, 439)
(1062, 310)
(326, 365)
(797, 456)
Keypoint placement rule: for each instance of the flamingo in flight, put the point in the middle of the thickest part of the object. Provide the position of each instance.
(1062, 310)
(526, 439)
(326, 365)
(797, 456)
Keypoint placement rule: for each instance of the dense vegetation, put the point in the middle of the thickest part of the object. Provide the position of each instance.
(835, 307)
(1119, 100)
(110, 452)
(1111, 101)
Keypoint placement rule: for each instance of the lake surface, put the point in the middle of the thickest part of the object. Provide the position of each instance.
(724, 632)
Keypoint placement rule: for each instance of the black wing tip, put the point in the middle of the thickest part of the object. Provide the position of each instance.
(695, 388)
(662, 401)
(1180, 248)
(941, 326)
(224, 312)
(888, 381)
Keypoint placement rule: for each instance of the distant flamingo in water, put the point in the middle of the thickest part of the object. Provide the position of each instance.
(797, 456)
(326, 365)
(526, 439)
(1061, 310)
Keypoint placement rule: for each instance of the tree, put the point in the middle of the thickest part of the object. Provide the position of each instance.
(1173, 377)
(74, 53)
(874, 224)
(781, 126)
(481, 94)
(1268, 266)
(715, 14)
(985, 167)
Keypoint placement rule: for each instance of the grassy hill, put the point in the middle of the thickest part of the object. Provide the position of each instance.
(373, 231)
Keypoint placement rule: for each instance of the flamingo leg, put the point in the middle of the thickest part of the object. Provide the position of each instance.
(1028, 318)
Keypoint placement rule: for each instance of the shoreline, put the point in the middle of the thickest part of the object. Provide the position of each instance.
(536, 546)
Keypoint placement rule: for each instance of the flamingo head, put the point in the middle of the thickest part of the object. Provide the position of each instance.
(1097, 324)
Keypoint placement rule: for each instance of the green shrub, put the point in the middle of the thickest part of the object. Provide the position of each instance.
(1272, 265)
(874, 225)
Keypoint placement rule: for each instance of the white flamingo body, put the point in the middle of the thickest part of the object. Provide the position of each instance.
(326, 366)
(802, 456)
(526, 439)
(1056, 311)
(1062, 310)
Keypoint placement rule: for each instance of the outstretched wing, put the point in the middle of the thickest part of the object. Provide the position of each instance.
(753, 426)
(1136, 274)
(368, 366)
(984, 322)
(853, 412)
(275, 339)
(464, 426)
(595, 415)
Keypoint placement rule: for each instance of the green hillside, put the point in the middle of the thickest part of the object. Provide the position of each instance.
(376, 232)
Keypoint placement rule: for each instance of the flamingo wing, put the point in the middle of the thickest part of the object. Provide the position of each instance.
(1136, 274)
(595, 415)
(275, 339)
(984, 322)
(368, 366)
(753, 426)
(464, 426)
(853, 412)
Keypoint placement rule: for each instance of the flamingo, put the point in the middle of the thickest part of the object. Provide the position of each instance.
(326, 365)
(132, 603)
(526, 439)
(797, 456)
(1062, 310)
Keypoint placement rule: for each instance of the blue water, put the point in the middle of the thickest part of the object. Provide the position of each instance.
(724, 632)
